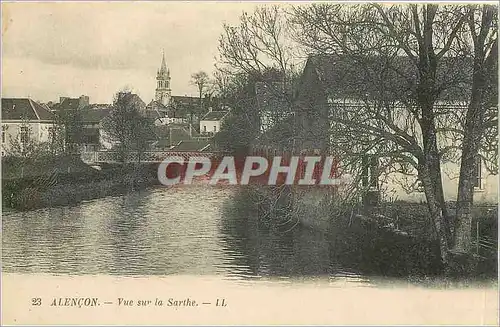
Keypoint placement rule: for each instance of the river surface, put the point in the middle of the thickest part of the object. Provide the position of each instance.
(182, 231)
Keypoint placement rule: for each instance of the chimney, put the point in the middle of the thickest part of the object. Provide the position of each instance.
(83, 101)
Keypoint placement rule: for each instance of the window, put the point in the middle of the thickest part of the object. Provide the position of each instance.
(369, 176)
(204, 128)
(25, 136)
(215, 129)
(477, 174)
(3, 134)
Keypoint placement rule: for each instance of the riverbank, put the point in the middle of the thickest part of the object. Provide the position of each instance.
(392, 239)
(66, 180)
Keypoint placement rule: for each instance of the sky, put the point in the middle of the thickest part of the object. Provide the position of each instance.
(59, 49)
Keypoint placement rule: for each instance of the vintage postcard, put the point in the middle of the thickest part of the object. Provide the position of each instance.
(249, 163)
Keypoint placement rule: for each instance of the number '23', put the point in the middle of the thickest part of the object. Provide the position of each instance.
(36, 301)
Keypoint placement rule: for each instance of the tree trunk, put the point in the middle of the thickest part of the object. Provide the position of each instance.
(435, 211)
(463, 222)
(435, 173)
(430, 163)
(470, 148)
(484, 86)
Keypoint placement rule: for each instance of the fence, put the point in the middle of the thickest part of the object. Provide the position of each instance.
(96, 157)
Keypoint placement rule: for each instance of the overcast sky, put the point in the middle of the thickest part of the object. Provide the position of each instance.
(97, 48)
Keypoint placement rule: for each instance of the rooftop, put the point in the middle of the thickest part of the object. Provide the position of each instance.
(215, 115)
(25, 109)
(95, 113)
(186, 100)
(346, 76)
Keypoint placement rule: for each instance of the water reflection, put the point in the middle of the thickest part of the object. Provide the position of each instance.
(300, 253)
(187, 230)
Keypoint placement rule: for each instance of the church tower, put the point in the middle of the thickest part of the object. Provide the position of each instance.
(163, 91)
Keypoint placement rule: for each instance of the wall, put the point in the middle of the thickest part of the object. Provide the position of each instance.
(39, 132)
(397, 186)
(168, 120)
(209, 124)
(44, 133)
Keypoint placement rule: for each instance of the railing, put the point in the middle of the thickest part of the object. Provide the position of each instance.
(148, 156)
(89, 156)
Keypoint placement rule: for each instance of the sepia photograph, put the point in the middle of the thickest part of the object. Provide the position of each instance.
(218, 162)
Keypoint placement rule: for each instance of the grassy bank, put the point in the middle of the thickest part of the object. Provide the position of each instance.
(66, 180)
(394, 239)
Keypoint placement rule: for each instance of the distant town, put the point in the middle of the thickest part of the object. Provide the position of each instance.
(180, 122)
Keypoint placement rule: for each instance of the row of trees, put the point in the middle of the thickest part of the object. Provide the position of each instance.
(410, 59)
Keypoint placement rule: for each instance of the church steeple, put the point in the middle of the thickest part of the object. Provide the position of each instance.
(163, 91)
(163, 68)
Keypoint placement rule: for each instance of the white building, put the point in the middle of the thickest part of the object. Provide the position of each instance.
(333, 93)
(24, 121)
(211, 123)
(384, 175)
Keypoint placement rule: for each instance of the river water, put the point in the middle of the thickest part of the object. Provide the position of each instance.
(190, 230)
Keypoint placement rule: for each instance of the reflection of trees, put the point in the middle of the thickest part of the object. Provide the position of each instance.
(346, 248)
(268, 252)
(353, 245)
(126, 236)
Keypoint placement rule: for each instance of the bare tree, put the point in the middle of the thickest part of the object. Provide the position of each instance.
(258, 54)
(68, 130)
(25, 149)
(127, 127)
(482, 31)
(405, 58)
(57, 136)
(242, 126)
(259, 42)
(23, 145)
(201, 81)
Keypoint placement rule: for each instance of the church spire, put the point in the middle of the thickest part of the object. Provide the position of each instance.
(162, 93)
(163, 68)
